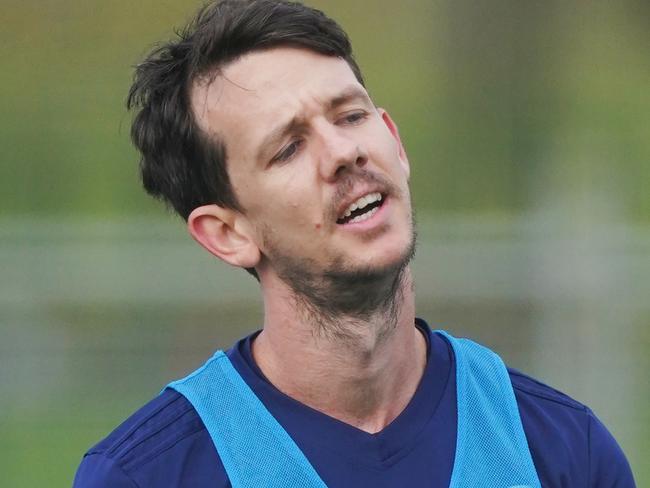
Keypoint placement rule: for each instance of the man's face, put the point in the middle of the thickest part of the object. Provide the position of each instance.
(306, 147)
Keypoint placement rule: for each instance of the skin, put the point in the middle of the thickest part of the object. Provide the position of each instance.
(303, 141)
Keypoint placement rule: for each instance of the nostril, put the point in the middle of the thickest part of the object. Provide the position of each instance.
(362, 157)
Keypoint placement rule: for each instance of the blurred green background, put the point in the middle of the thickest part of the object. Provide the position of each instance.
(528, 129)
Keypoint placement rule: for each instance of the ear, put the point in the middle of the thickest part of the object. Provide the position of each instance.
(225, 233)
(392, 127)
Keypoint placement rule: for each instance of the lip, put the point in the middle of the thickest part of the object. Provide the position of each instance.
(355, 197)
(371, 222)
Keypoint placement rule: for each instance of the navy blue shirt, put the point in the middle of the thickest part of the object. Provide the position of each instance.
(165, 444)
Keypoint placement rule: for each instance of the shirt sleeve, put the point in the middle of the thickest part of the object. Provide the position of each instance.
(608, 466)
(98, 471)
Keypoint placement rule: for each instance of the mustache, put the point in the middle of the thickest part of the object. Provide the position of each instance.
(361, 176)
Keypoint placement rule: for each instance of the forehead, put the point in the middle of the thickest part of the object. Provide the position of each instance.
(261, 87)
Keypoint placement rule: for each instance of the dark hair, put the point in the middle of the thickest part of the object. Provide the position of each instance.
(179, 163)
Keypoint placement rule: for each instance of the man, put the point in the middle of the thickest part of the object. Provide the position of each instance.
(255, 126)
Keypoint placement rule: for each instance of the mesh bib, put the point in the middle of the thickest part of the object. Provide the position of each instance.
(256, 451)
(491, 447)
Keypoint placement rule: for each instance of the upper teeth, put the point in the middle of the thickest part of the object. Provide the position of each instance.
(362, 202)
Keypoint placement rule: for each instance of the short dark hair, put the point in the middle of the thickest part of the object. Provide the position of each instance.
(180, 164)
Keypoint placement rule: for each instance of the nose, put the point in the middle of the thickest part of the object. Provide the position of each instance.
(341, 151)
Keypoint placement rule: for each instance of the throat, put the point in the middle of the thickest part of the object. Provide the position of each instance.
(358, 377)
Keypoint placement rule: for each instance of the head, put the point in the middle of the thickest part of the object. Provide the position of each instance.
(181, 164)
(255, 126)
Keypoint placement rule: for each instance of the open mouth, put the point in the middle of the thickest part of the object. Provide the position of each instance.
(362, 209)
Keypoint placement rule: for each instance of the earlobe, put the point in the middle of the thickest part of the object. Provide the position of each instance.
(392, 127)
(223, 232)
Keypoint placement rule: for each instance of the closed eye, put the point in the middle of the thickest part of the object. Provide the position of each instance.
(288, 151)
(354, 118)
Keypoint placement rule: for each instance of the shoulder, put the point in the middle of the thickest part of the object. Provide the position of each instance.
(164, 443)
(566, 439)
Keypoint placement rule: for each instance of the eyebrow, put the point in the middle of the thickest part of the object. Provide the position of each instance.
(349, 94)
(297, 123)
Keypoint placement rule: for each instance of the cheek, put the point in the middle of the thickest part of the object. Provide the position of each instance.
(392, 152)
(286, 198)
(283, 209)
(381, 142)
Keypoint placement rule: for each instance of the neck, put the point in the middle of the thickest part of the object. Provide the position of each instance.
(361, 369)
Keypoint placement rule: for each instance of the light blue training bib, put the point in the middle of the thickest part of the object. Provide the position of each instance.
(491, 447)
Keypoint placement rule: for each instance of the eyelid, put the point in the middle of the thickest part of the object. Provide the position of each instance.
(360, 113)
(280, 155)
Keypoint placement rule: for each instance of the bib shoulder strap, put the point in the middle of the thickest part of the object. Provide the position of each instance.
(254, 448)
(491, 446)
